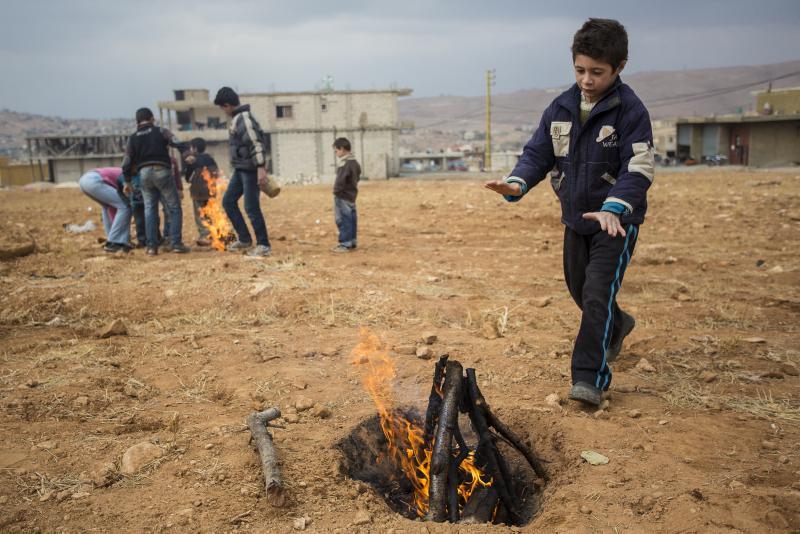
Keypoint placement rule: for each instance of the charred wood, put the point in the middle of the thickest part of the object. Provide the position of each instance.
(441, 455)
(262, 440)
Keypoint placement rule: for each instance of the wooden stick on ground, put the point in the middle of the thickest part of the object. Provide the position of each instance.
(441, 456)
(261, 438)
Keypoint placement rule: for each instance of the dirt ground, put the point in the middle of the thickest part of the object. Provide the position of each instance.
(704, 439)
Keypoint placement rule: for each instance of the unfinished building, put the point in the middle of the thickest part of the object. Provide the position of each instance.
(302, 127)
(67, 157)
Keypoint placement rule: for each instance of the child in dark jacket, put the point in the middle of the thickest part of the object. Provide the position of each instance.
(148, 152)
(345, 190)
(597, 140)
(198, 165)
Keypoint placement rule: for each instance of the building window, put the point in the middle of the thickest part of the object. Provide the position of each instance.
(283, 112)
(324, 107)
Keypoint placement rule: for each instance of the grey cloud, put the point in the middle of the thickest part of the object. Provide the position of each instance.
(100, 58)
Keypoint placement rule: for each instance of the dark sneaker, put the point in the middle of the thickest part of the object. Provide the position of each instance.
(152, 252)
(238, 246)
(203, 242)
(628, 322)
(167, 247)
(261, 251)
(115, 248)
(179, 249)
(586, 393)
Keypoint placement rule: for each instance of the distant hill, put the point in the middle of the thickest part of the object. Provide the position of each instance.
(16, 126)
(666, 94)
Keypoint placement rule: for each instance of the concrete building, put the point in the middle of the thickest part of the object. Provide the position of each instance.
(302, 127)
(768, 139)
(778, 101)
(67, 157)
(665, 137)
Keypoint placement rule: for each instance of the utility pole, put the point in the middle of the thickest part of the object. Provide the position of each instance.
(487, 155)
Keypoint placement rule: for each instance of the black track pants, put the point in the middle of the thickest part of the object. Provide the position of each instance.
(593, 269)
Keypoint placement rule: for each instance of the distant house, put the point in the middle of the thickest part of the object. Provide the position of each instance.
(768, 139)
(302, 127)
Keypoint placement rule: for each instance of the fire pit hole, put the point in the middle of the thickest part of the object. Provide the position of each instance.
(366, 458)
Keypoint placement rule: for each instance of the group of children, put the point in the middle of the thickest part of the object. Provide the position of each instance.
(149, 177)
(594, 141)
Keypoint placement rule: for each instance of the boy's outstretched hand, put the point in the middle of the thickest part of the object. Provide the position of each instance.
(503, 187)
(609, 222)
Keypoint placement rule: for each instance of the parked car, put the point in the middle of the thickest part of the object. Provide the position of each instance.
(457, 165)
(716, 160)
(411, 166)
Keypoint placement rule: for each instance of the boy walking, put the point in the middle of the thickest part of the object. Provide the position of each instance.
(148, 153)
(597, 138)
(249, 161)
(345, 191)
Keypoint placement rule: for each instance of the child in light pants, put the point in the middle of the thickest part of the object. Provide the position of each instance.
(101, 186)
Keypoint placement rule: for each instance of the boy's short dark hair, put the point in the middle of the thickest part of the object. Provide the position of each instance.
(603, 40)
(343, 143)
(226, 95)
(199, 144)
(143, 114)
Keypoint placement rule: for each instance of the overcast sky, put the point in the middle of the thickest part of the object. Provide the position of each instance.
(105, 58)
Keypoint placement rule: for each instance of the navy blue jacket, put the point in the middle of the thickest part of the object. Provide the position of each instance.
(608, 160)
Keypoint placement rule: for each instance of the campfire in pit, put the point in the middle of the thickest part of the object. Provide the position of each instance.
(448, 479)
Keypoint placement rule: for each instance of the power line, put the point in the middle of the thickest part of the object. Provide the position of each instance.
(658, 102)
(690, 97)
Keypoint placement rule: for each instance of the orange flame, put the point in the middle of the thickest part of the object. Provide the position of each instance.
(406, 442)
(213, 215)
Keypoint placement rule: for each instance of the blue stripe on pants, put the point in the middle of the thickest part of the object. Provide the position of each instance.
(604, 374)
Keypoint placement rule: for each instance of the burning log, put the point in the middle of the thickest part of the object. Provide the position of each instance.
(517, 443)
(487, 448)
(502, 429)
(261, 438)
(453, 481)
(442, 452)
(435, 400)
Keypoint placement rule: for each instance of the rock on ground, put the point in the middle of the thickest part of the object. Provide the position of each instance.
(594, 458)
(114, 328)
(362, 517)
(303, 403)
(139, 456)
(429, 338)
(645, 366)
(15, 243)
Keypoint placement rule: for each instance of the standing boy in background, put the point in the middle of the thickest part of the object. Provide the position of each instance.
(597, 139)
(249, 162)
(148, 153)
(345, 191)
